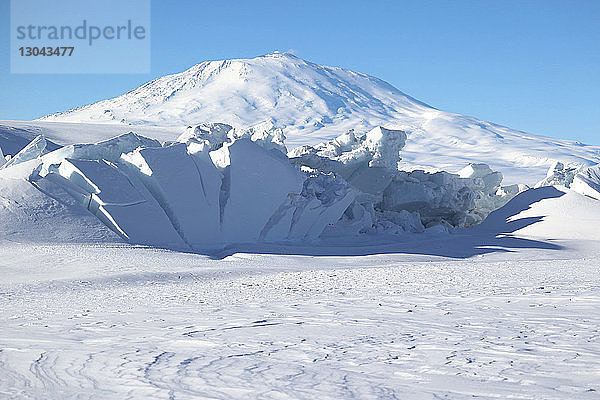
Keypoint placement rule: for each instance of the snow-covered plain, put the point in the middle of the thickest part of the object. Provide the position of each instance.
(120, 322)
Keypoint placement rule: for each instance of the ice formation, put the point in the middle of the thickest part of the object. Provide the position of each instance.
(587, 182)
(218, 185)
(256, 183)
(215, 135)
(397, 201)
(36, 148)
(582, 179)
(559, 174)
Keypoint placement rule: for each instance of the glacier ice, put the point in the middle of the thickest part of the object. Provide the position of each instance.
(109, 150)
(35, 149)
(349, 154)
(559, 174)
(256, 183)
(306, 215)
(587, 182)
(215, 134)
(186, 189)
(369, 163)
(266, 135)
(114, 196)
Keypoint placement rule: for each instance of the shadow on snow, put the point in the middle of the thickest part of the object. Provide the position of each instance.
(495, 234)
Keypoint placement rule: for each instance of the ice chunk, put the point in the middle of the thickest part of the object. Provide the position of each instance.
(109, 150)
(256, 184)
(385, 145)
(186, 186)
(511, 191)
(379, 147)
(559, 174)
(587, 182)
(369, 163)
(305, 216)
(475, 171)
(441, 197)
(266, 135)
(113, 195)
(35, 149)
(490, 179)
(365, 161)
(215, 134)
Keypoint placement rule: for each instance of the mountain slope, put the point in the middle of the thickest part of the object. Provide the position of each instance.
(279, 86)
(317, 103)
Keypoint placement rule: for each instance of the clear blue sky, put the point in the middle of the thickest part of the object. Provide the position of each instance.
(530, 65)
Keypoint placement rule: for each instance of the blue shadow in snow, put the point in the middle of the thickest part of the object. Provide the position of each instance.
(495, 234)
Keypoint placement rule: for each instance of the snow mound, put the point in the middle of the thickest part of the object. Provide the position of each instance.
(549, 212)
(41, 211)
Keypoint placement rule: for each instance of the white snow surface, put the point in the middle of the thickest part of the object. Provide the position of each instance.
(324, 273)
(488, 315)
(315, 103)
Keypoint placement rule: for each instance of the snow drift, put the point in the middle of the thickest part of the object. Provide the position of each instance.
(549, 213)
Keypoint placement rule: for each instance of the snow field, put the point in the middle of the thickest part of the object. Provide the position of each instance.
(172, 325)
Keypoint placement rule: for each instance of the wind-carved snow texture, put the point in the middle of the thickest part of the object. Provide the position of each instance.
(218, 185)
(313, 103)
(134, 323)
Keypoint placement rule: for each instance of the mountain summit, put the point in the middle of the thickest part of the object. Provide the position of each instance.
(315, 103)
(277, 86)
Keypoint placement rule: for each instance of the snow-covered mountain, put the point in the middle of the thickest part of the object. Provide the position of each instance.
(316, 103)
(303, 96)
